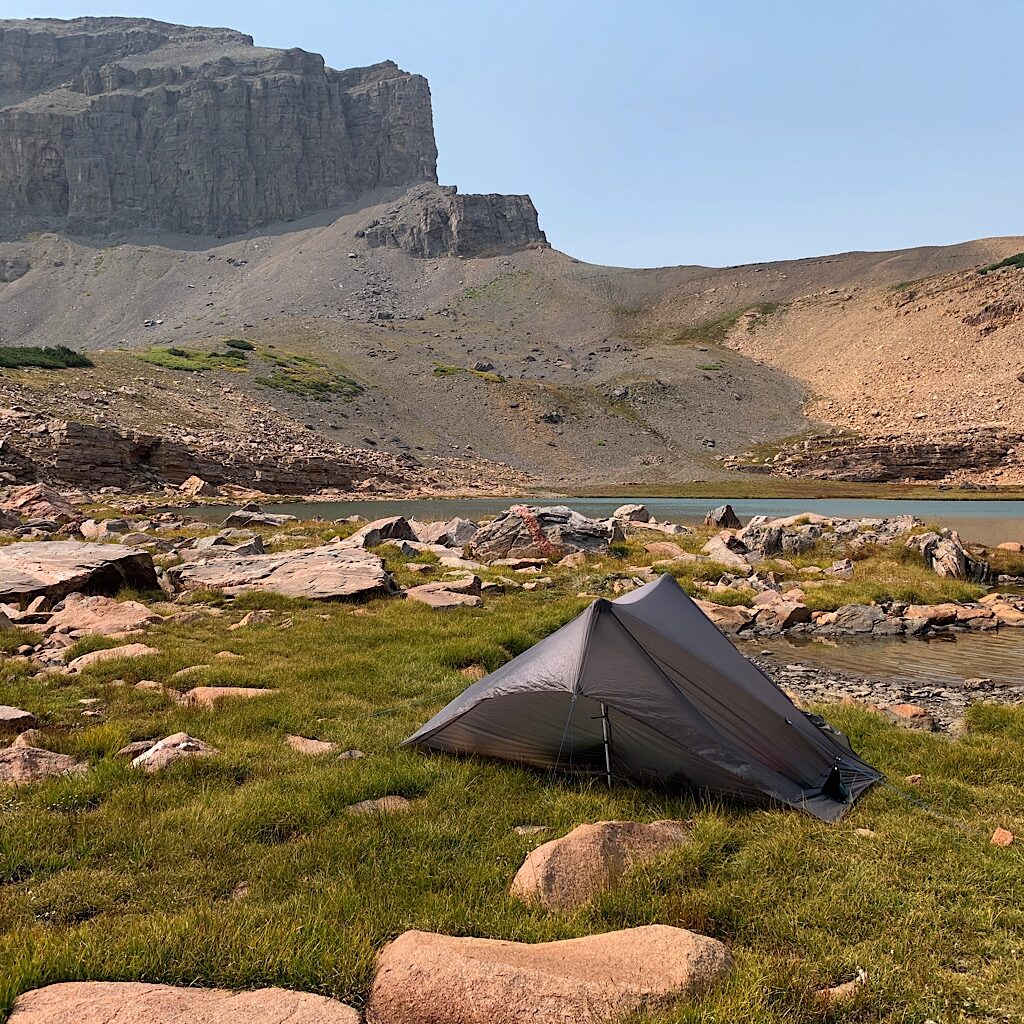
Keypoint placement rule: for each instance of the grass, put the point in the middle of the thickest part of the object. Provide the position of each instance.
(1016, 262)
(195, 361)
(117, 875)
(300, 375)
(59, 357)
(715, 330)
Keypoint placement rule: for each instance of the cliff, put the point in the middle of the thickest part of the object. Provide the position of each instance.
(109, 124)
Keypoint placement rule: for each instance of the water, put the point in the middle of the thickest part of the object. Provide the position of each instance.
(945, 661)
(982, 521)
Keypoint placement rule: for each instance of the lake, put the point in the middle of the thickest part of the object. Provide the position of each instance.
(982, 521)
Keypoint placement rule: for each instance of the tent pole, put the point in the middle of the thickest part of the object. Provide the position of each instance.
(607, 744)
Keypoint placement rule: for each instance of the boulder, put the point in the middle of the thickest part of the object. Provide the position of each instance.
(14, 720)
(207, 696)
(455, 533)
(723, 518)
(310, 747)
(1011, 545)
(38, 501)
(729, 619)
(720, 550)
(197, 487)
(172, 749)
(566, 873)
(380, 530)
(858, 618)
(933, 614)
(92, 529)
(129, 1002)
(242, 518)
(664, 549)
(110, 654)
(21, 765)
(446, 594)
(632, 514)
(82, 616)
(781, 613)
(54, 569)
(550, 533)
(425, 978)
(324, 573)
(948, 557)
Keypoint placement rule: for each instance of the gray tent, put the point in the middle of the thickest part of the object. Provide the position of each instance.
(646, 689)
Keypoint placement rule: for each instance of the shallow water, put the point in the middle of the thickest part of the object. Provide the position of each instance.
(982, 521)
(946, 661)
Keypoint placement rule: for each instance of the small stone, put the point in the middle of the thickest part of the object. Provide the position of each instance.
(1002, 837)
(381, 805)
(311, 747)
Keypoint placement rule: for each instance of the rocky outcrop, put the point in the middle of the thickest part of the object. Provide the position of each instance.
(54, 569)
(947, 556)
(326, 573)
(439, 221)
(424, 978)
(119, 123)
(552, 532)
(128, 1002)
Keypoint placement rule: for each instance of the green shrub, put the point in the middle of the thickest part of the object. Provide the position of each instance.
(1016, 261)
(193, 361)
(59, 357)
(240, 344)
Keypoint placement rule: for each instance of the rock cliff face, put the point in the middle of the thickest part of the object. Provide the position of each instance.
(440, 222)
(109, 124)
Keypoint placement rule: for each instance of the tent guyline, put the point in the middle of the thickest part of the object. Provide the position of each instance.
(645, 689)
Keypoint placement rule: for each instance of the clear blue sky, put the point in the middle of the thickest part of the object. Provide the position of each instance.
(655, 132)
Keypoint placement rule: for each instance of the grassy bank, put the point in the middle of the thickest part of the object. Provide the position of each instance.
(244, 870)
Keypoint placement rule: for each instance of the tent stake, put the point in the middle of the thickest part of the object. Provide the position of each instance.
(607, 744)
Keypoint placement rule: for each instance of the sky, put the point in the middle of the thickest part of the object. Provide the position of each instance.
(658, 132)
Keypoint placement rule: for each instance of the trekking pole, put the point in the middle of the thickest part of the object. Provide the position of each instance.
(605, 729)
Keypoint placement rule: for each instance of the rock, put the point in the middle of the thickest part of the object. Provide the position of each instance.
(300, 138)
(21, 765)
(110, 654)
(207, 696)
(719, 550)
(28, 738)
(782, 614)
(576, 560)
(551, 532)
(858, 618)
(566, 873)
(443, 595)
(54, 569)
(632, 514)
(380, 530)
(948, 557)
(257, 617)
(38, 501)
(100, 616)
(1001, 837)
(105, 528)
(844, 993)
(1011, 545)
(425, 978)
(723, 518)
(728, 618)
(311, 747)
(455, 533)
(14, 720)
(197, 487)
(438, 221)
(665, 549)
(842, 569)
(129, 1002)
(130, 751)
(933, 614)
(244, 519)
(323, 573)
(168, 751)
(381, 805)
(910, 716)
(351, 755)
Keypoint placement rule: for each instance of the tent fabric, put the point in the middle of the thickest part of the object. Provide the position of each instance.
(683, 708)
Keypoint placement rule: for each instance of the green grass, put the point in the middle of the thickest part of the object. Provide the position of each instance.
(59, 357)
(195, 361)
(1016, 262)
(715, 330)
(300, 375)
(117, 875)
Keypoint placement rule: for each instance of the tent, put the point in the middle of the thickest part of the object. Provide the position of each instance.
(646, 689)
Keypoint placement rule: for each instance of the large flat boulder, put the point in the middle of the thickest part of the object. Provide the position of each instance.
(103, 616)
(551, 533)
(129, 1002)
(425, 978)
(380, 530)
(21, 765)
(54, 569)
(566, 873)
(323, 573)
(39, 501)
(85, 661)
